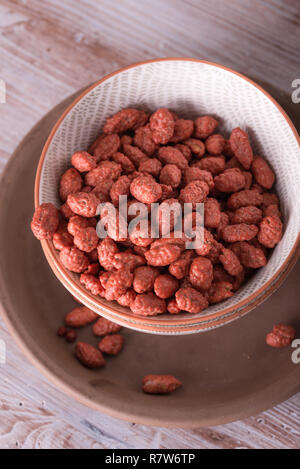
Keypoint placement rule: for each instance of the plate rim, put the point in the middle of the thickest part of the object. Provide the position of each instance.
(40, 364)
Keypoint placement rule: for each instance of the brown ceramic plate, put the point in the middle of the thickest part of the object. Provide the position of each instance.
(228, 373)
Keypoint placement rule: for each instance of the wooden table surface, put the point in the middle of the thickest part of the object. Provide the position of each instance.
(48, 50)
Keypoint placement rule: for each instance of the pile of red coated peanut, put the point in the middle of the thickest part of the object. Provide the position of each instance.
(111, 344)
(162, 158)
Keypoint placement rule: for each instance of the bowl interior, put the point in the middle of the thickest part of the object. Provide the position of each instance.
(190, 88)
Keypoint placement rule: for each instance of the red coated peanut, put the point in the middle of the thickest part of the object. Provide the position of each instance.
(89, 356)
(107, 248)
(144, 277)
(162, 255)
(152, 166)
(164, 160)
(148, 304)
(109, 145)
(83, 203)
(87, 189)
(270, 231)
(206, 246)
(162, 125)
(126, 139)
(122, 121)
(227, 151)
(73, 259)
(238, 281)
(80, 316)
(114, 224)
(190, 300)
(262, 172)
(170, 175)
(244, 198)
(234, 163)
(103, 327)
(249, 215)
(193, 173)
(172, 307)
(93, 269)
(124, 161)
(127, 259)
(185, 150)
(212, 213)
(65, 211)
(240, 145)
(142, 120)
(168, 214)
(71, 336)
(194, 192)
(62, 238)
(103, 277)
(281, 336)
(215, 251)
(171, 155)
(145, 189)
(183, 130)
(83, 161)
(45, 221)
(160, 384)
(232, 180)
(144, 141)
(197, 146)
(111, 344)
(224, 221)
(215, 144)
(220, 274)
(70, 183)
(249, 255)
(134, 154)
(248, 179)
(92, 284)
(201, 273)
(86, 240)
(127, 298)
(120, 187)
(213, 164)
(230, 262)
(239, 232)
(205, 126)
(105, 171)
(220, 291)
(269, 199)
(180, 267)
(165, 286)
(118, 283)
(167, 192)
(102, 190)
(175, 238)
(95, 143)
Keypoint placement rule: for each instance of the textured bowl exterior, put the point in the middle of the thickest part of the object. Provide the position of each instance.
(190, 87)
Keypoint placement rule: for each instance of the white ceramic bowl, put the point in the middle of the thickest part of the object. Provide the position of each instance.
(190, 87)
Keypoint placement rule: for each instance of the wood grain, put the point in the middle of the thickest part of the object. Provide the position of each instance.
(50, 49)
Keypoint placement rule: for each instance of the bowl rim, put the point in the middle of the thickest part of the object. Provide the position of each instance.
(148, 324)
